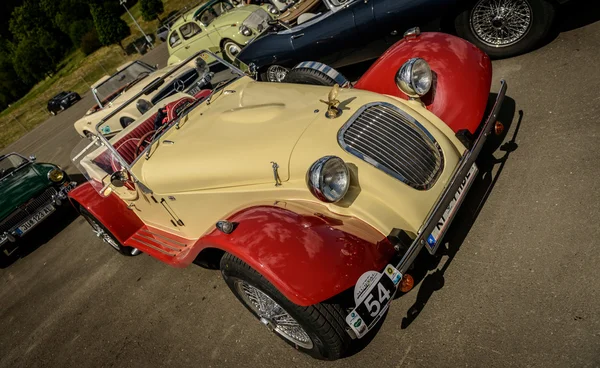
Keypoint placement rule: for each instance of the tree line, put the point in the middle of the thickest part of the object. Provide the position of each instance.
(35, 35)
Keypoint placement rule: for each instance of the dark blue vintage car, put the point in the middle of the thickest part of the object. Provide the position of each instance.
(344, 32)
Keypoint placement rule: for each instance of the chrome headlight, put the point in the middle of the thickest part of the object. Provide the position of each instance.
(56, 175)
(245, 30)
(143, 105)
(272, 9)
(328, 179)
(414, 77)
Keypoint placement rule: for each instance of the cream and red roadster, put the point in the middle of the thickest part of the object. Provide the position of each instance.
(313, 200)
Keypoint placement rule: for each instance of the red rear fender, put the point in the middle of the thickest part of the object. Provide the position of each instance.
(462, 77)
(308, 256)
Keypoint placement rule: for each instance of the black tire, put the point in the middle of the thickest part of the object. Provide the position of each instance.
(308, 76)
(113, 242)
(324, 323)
(542, 17)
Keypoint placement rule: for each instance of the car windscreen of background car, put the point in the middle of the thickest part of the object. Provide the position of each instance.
(106, 91)
(9, 163)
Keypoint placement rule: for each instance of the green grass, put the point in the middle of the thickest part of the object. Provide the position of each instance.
(75, 73)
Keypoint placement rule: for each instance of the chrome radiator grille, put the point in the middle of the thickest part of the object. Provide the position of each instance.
(23, 212)
(389, 139)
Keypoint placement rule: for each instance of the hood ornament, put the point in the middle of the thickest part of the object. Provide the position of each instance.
(332, 104)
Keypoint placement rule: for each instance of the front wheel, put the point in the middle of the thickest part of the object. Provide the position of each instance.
(230, 50)
(505, 28)
(106, 236)
(317, 330)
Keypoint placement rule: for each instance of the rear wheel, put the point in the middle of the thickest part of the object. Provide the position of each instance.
(317, 330)
(230, 50)
(505, 28)
(106, 236)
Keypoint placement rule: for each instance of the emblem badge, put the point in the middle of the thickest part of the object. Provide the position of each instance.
(178, 85)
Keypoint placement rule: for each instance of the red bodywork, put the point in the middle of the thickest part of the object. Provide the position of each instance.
(462, 77)
(307, 256)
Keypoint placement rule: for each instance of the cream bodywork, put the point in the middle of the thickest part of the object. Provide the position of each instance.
(89, 121)
(219, 160)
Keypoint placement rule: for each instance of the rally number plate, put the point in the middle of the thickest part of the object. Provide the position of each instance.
(373, 293)
(444, 222)
(35, 219)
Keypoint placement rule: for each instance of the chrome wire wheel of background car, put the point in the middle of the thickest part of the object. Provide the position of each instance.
(276, 73)
(273, 315)
(501, 23)
(231, 50)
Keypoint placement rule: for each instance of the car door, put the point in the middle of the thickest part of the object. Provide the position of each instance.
(177, 48)
(325, 38)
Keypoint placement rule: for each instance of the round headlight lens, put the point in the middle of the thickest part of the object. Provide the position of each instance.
(143, 105)
(328, 179)
(245, 30)
(56, 175)
(415, 77)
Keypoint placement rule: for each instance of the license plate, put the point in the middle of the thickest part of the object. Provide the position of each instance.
(444, 222)
(35, 219)
(373, 293)
(67, 187)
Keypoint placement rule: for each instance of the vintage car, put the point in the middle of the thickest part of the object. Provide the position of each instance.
(62, 101)
(344, 32)
(217, 26)
(313, 200)
(29, 193)
(111, 91)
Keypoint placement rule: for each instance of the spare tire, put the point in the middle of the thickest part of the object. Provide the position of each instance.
(314, 73)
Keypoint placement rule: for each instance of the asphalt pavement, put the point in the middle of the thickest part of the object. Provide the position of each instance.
(518, 285)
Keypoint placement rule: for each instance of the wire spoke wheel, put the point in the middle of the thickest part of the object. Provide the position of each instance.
(100, 233)
(277, 73)
(501, 23)
(273, 315)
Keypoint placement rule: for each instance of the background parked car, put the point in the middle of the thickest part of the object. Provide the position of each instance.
(62, 101)
(347, 32)
(217, 26)
(29, 193)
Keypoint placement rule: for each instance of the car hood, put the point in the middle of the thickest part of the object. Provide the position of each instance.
(22, 185)
(235, 140)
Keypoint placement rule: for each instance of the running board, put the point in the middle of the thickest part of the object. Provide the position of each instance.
(158, 243)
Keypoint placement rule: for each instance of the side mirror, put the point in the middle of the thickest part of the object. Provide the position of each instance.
(32, 158)
(118, 179)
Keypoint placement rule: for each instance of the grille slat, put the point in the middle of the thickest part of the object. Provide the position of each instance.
(23, 212)
(392, 141)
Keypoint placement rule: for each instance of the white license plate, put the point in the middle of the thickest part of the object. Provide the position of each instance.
(444, 222)
(373, 293)
(35, 219)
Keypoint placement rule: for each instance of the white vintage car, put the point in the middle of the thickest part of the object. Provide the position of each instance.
(110, 92)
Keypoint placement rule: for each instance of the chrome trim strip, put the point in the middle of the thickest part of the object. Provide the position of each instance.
(159, 242)
(135, 238)
(414, 149)
(182, 245)
(463, 167)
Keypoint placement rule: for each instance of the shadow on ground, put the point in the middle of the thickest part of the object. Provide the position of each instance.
(480, 190)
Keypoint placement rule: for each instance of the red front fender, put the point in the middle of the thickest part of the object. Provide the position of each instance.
(111, 211)
(309, 257)
(462, 77)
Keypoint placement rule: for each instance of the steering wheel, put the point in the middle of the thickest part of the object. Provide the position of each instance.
(138, 146)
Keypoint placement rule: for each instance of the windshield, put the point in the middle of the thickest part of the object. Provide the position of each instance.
(10, 163)
(100, 159)
(110, 88)
(213, 12)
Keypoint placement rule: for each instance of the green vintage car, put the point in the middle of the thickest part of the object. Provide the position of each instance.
(29, 193)
(217, 26)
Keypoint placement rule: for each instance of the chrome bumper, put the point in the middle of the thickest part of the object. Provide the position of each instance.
(458, 176)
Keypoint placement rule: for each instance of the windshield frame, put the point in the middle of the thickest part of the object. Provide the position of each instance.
(25, 161)
(156, 83)
(95, 88)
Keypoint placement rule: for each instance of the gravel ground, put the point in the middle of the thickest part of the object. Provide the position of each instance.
(518, 286)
